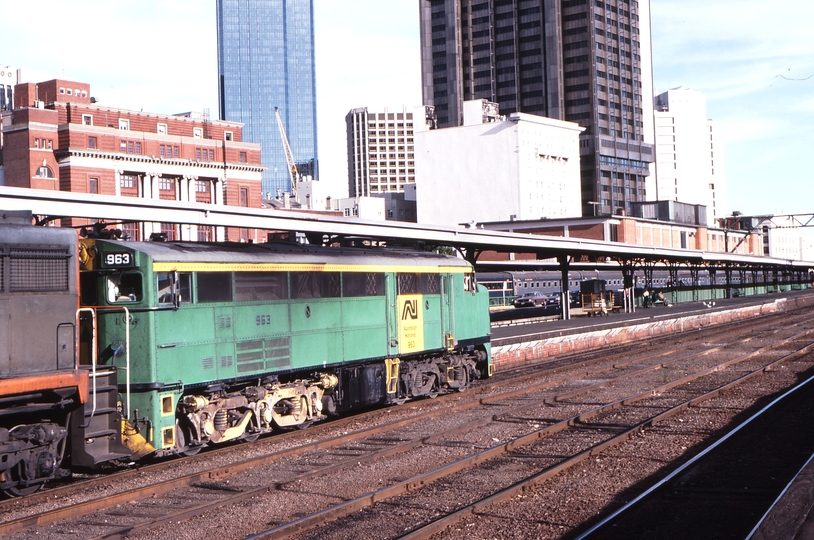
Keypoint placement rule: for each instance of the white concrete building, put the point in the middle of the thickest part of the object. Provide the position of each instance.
(312, 195)
(689, 154)
(496, 168)
(784, 239)
(380, 151)
(366, 208)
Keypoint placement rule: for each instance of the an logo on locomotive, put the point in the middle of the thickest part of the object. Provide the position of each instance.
(410, 310)
(411, 323)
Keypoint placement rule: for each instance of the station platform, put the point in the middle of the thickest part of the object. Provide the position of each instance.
(546, 335)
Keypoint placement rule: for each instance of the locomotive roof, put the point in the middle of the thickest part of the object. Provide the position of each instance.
(285, 253)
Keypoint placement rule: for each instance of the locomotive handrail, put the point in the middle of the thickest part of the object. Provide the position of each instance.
(92, 354)
(94, 349)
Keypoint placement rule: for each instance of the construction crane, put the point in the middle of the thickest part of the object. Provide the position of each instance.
(289, 157)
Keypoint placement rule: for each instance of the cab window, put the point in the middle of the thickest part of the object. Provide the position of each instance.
(166, 288)
(124, 287)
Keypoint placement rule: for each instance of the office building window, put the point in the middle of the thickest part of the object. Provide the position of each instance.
(91, 142)
(124, 124)
(93, 185)
(87, 120)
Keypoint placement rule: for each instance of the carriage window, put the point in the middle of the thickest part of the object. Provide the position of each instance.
(362, 284)
(214, 287)
(124, 287)
(315, 285)
(253, 286)
(165, 287)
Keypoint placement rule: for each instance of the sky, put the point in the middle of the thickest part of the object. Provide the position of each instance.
(754, 63)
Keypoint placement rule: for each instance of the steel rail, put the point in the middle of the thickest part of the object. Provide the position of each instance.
(697, 458)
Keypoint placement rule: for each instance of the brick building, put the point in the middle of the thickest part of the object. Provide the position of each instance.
(58, 138)
(637, 231)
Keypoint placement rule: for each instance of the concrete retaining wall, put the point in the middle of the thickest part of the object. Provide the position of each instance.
(531, 351)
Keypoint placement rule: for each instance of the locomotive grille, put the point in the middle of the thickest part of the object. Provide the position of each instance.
(38, 270)
(407, 283)
(430, 284)
(224, 322)
(260, 354)
(370, 284)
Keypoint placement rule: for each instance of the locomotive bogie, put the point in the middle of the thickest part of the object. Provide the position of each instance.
(221, 417)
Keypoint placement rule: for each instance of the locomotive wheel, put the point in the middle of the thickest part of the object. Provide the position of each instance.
(401, 393)
(191, 451)
(434, 389)
(19, 491)
(182, 436)
(465, 384)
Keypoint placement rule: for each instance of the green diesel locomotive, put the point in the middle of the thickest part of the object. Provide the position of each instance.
(220, 342)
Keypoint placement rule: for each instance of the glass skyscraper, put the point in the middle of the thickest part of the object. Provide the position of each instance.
(266, 60)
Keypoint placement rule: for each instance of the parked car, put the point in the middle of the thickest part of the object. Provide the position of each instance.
(530, 299)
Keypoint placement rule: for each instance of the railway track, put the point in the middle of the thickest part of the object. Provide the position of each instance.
(724, 491)
(475, 487)
(504, 410)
